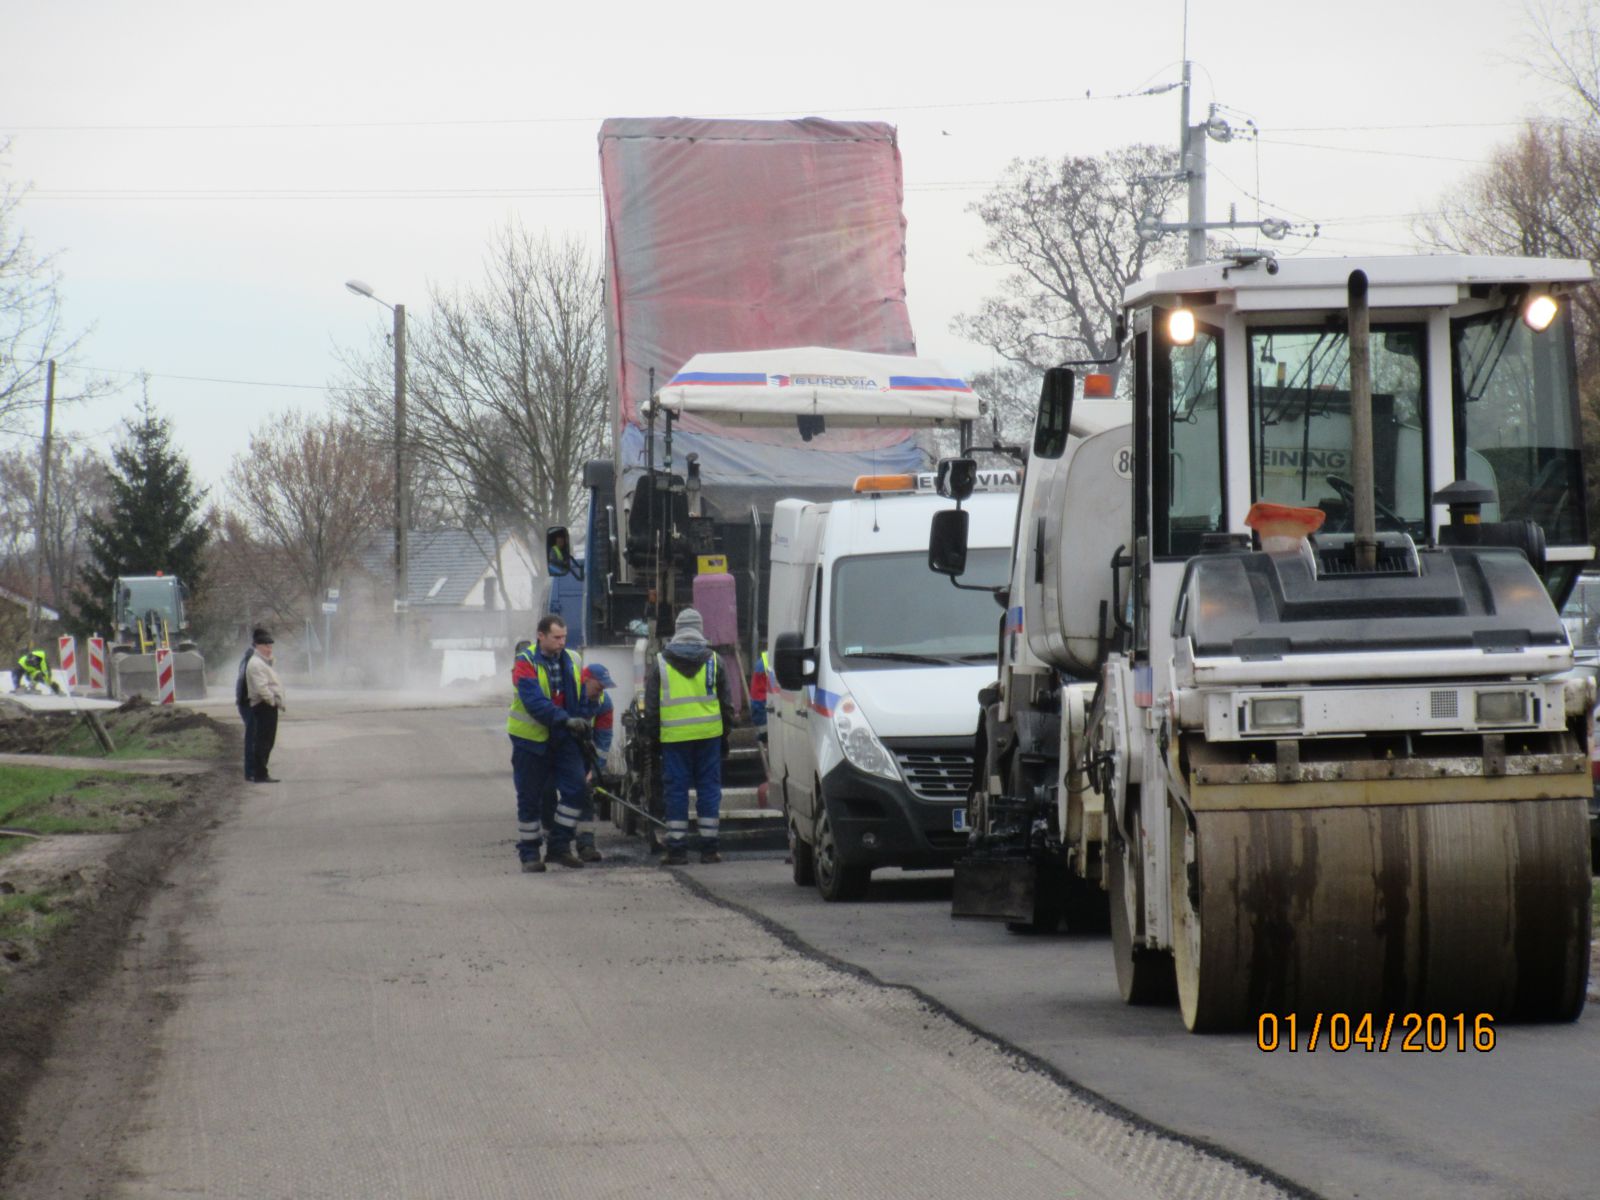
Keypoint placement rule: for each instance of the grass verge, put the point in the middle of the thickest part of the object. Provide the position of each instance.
(36, 901)
(145, 731)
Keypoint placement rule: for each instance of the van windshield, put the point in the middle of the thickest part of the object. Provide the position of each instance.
(889, 609)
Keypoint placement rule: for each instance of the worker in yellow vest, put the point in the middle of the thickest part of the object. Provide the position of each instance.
(547, 765)
(688, 711)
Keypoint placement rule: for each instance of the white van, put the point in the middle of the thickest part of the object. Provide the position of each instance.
(872, 750)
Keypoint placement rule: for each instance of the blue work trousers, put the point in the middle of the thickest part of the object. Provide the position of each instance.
(549, 782)
(249, 720)
(697, 764)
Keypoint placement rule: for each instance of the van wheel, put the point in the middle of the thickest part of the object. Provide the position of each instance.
(802, 856)
(835, 880)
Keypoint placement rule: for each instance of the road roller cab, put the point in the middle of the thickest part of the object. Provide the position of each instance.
(1343, 752)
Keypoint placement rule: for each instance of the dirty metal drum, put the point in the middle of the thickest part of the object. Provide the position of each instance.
(1471, 906)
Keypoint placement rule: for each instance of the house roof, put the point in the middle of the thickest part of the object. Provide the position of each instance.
(45, 611)
(442, 565)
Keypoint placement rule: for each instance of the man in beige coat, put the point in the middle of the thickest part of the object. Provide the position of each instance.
(265, 693)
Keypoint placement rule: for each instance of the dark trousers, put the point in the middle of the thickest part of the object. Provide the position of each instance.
(548, 777)
(249, 720)
(697, 764)
(264, 718)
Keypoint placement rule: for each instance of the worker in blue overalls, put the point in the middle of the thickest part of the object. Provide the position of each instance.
(597, 709)
(688, 712)
(546, 763)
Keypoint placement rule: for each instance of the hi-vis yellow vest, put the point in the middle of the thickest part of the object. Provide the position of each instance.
(689, 708)
(519, 723)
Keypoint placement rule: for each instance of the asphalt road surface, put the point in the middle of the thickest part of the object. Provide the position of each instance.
(348, 989)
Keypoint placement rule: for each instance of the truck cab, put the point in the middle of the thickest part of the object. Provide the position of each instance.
(871, 723)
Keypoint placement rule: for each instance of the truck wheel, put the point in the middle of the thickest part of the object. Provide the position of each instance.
(835, 880)
(803, 857)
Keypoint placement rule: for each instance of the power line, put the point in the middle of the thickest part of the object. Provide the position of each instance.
(1273, 141)
(456, 123)
(462, 193)
(309, 387)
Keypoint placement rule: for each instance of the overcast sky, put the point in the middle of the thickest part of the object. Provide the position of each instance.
(211, 174)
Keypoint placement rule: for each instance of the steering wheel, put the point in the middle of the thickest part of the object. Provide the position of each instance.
(1347, 493)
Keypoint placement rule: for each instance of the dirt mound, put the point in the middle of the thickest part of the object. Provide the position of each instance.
(138, 727)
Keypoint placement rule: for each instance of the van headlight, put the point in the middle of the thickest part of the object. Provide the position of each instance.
(1275, 712)
(1502, 708)
(861, 746)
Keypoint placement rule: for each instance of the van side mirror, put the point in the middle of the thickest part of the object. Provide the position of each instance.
(558, 558)
(947, 542)
(1055, 413)
(793, 663)
(957, 478)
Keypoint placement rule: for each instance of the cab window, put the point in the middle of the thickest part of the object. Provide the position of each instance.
(1186, 443)
(1300, 423)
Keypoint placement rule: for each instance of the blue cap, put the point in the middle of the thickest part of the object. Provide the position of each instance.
(598, 672)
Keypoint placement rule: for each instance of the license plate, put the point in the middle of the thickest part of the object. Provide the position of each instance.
(958, 820)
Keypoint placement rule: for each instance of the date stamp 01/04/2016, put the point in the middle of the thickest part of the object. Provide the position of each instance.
(1410, 1033)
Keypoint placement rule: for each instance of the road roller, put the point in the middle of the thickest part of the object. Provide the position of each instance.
(1284, 696)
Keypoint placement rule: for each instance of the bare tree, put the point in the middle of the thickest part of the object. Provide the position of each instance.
(79, 486)
(507, 388)
(250, 580)
(1068, 231)
(1564, 48)
(312, 491)
(31, 330)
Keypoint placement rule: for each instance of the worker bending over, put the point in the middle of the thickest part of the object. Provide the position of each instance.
(597, 709)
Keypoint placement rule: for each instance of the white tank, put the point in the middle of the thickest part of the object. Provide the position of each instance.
(1082, 512)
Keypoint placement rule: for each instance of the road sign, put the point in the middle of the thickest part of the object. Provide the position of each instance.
(333, 593)
(330, 606)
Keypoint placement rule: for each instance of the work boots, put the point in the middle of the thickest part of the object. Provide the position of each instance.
(589, 854)
(567, 858)
(676, 856)
(532, 866)
(710, 855)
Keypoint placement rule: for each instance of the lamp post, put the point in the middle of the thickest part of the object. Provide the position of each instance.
(402, 516)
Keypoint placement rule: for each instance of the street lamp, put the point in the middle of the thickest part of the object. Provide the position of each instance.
(402, 515)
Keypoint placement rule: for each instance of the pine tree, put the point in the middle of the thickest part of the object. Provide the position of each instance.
(152, 524)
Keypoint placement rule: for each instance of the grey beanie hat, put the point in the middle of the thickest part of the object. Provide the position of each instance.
(690, 622)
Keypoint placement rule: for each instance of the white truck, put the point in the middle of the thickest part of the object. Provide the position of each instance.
(1304, 707)
(870, 727)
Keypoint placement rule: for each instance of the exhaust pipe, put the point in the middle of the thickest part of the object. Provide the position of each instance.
(1364, 518)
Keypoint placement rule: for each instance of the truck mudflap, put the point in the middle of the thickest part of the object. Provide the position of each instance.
(995, 888)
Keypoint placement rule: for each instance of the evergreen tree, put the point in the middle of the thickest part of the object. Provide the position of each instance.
(153, 522)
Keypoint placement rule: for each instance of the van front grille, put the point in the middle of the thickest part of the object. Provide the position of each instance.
(936, 776)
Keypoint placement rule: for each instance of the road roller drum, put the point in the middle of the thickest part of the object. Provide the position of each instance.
(1460, 907)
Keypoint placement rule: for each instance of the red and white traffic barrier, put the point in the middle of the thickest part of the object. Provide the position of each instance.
(97, 665)
(69, 659)
(166, 680)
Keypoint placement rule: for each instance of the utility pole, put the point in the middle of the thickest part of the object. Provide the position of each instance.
(44, 500)
(402, 514)
(1192, 138)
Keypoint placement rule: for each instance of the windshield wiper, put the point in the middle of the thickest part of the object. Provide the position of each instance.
(979, 656)
(898, 656)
